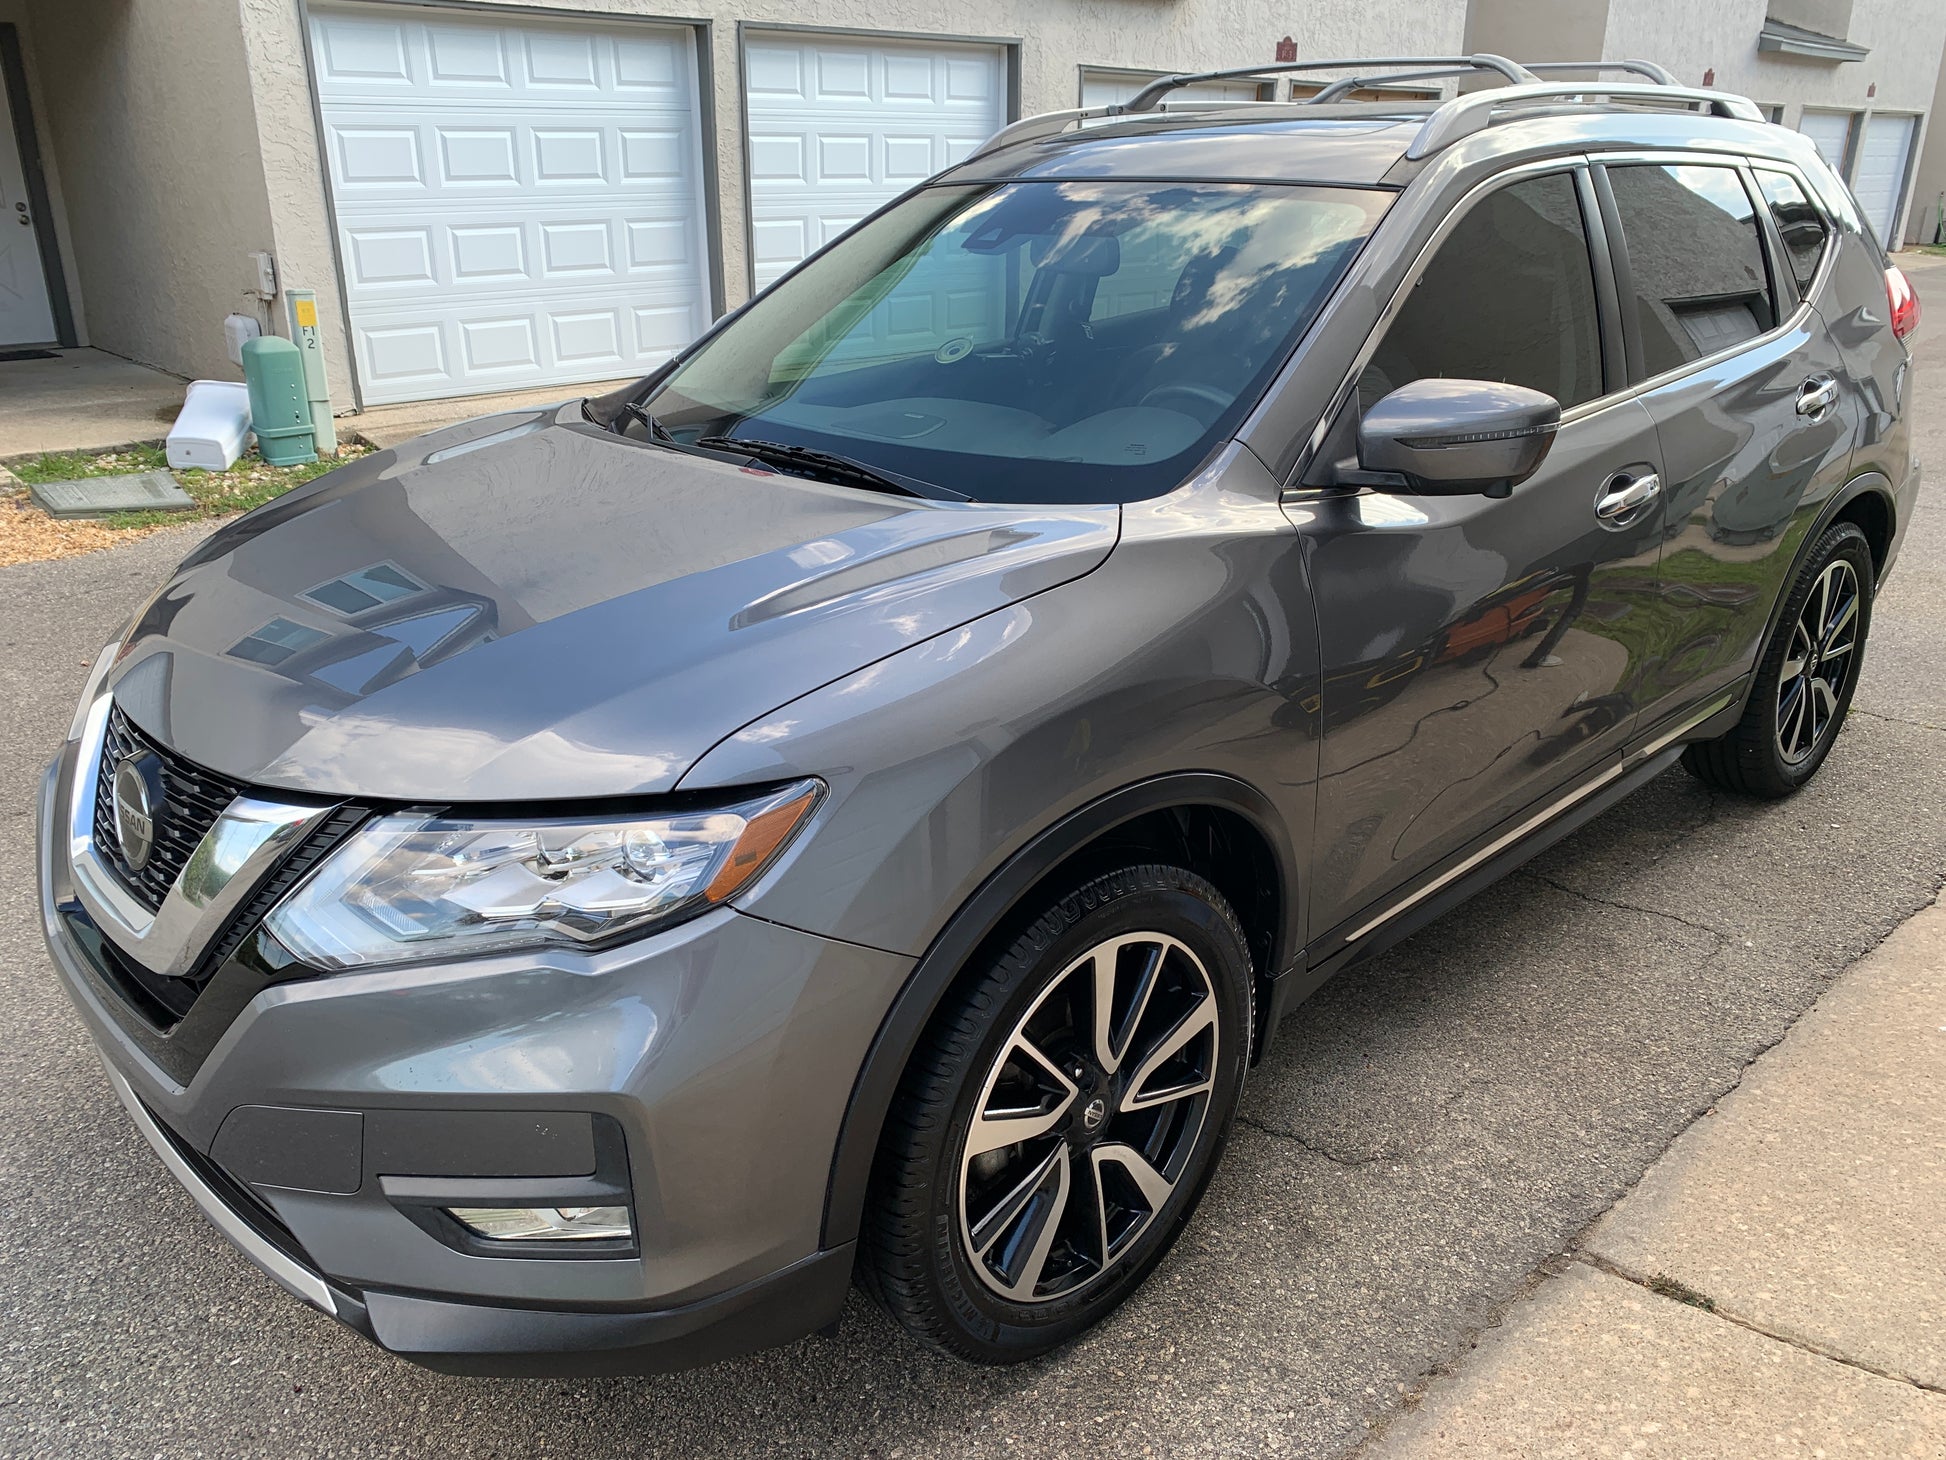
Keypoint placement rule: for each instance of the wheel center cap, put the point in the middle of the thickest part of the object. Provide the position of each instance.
(1094, 1115)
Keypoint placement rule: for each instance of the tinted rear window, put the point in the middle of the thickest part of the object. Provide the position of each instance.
(1799, 224)
(1697, 259)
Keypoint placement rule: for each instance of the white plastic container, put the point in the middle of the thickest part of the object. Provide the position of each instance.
(213, 427)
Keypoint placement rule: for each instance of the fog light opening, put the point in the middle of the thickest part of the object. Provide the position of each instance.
(545, 1224)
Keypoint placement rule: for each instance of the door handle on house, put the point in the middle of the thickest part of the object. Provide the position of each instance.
(1818, 395)
(1624, 494)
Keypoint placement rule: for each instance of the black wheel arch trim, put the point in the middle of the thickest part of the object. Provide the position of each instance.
(1866, 481)
(940, 965)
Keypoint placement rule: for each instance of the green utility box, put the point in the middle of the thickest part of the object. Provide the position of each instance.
(280, 408)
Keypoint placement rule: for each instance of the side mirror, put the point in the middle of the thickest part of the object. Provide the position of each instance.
(1452, 437)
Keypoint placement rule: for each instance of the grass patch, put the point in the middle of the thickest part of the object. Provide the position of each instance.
(250, 483)
(1665, 1286)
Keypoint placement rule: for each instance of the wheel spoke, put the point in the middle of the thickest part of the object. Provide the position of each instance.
(1112, 1036)
(1031, 1227)
(1010, 1125)
(1847, 611)
(1193, 1023)
(1827, 697)
(1824, 595)
(1154, 1186)
(1790, 717)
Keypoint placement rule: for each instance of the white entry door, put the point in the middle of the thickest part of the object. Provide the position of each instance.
(518, 201)
(839, 125)
(26, 318)
(1879, 179)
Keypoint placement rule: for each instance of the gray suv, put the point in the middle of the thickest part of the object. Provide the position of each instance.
(573, 893)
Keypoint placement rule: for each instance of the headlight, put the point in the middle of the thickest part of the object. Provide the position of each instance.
(410, 886)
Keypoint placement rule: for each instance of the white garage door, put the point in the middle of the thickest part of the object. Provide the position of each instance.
(1832, 132)
(517, 201)
(840, 125)
(1879, 179)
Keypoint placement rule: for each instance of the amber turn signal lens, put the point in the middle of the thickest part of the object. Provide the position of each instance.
(762, 836)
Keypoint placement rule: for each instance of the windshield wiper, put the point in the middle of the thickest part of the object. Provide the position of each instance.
(829, 466)
(630, 410)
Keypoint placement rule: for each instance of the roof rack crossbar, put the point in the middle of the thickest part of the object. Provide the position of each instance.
(1465, 115)
(1660, 75)
(1337, 90)
(1150, 96)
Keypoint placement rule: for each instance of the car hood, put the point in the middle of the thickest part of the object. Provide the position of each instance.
(529, 608)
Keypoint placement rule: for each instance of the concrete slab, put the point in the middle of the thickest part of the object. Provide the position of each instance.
(1591, 1364)
(387, 426)
(83, 400)
(1808, 1204)
(142, 491)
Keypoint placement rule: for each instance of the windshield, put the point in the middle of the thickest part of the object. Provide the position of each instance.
(1030, 341)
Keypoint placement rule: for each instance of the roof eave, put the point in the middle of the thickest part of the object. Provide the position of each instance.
(1790, 40)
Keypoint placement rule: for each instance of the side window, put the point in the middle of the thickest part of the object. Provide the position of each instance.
(1509, 296)
(1697, 260)
(1799, 224)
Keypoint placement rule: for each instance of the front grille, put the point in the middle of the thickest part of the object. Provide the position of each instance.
(192, 799)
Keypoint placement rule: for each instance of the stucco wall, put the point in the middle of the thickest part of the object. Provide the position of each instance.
(148, 113)
(1538, 30)
(1057, 38)
(1905, 38)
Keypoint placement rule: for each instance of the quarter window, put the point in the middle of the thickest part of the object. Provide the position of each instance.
(1509, 296)
(1799, 224)
(1697, 261)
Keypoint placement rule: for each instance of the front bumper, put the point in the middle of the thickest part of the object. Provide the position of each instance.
(722, 1051)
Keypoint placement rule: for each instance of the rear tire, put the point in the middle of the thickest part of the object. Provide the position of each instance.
(997, 1249)
(1804, 680)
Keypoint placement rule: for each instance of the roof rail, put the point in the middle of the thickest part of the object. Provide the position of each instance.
(1149, 98)
(1465, 115)
(1449, 122)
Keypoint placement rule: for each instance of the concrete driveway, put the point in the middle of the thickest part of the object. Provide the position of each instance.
(1430, 1131)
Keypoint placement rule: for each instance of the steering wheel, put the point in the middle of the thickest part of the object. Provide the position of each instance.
(1200, 395)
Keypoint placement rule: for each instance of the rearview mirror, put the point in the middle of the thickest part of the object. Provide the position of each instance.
(1458, 436)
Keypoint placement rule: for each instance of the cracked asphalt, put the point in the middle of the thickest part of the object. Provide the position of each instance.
(1429, 1132)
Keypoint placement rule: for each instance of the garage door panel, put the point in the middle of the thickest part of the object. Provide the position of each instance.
(518, 201)
(1878, 179)
(838, 127)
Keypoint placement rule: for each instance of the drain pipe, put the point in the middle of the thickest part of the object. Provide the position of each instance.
(303, 307)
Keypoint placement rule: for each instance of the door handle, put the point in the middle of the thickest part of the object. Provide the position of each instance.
(1625, 494)
(1818, 395)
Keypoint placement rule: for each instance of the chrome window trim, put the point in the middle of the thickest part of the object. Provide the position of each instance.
(234, 856)
(1582, 162)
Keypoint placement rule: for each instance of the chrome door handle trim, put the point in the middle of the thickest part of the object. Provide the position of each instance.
(1820, 394)
(1625, 494)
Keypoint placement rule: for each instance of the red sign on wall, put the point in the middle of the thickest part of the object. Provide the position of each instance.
(1287, 49)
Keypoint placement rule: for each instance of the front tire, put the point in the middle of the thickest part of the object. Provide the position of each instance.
(1059, 1122)
(1805, 679)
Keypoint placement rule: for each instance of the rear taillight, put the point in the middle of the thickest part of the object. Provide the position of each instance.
(1904, 300)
